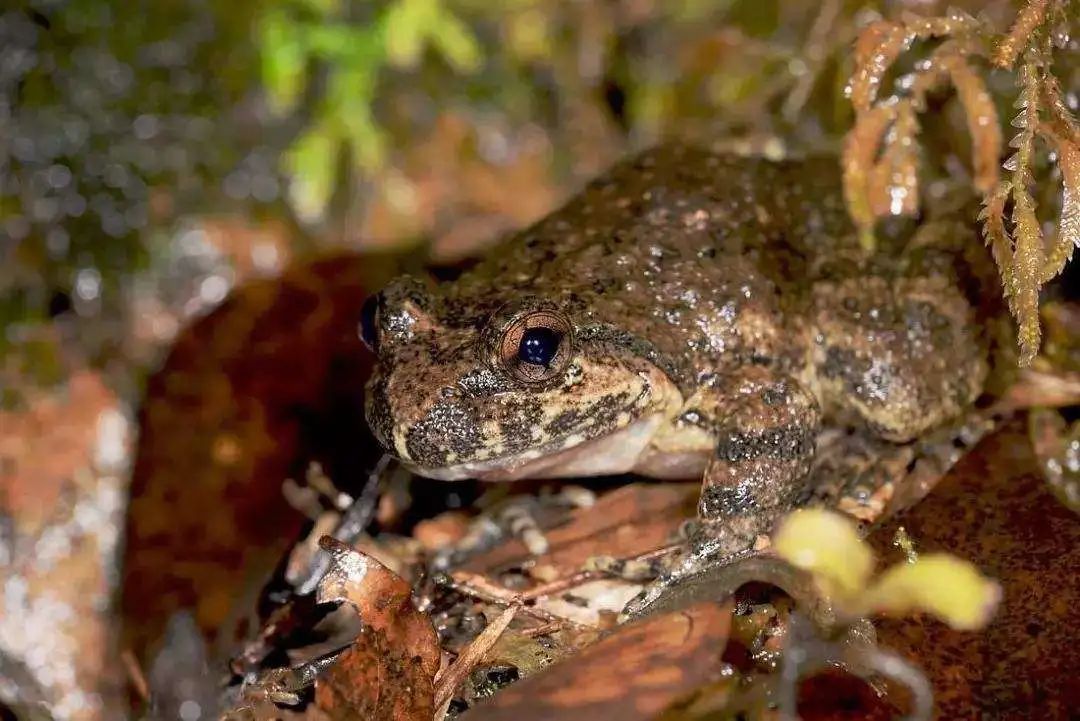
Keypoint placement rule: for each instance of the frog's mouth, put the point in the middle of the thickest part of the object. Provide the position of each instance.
(619, 451)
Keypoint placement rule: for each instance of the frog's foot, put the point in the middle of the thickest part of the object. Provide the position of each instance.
(518, 517)
(709, 546)
(867, 477)
(634, 570)
(766, 426)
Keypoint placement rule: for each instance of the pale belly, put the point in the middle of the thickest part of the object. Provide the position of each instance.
(646, 447)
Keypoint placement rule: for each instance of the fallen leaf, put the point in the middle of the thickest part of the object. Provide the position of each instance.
(626, 522)
(388, 672)
(995, 510)
(376, 680)
(634, 673)
(220, 431)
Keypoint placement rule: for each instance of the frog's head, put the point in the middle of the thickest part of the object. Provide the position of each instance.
(519, 392)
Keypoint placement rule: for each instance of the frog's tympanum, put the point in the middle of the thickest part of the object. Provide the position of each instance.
(687, 315)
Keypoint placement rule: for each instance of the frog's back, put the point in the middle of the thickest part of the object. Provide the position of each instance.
(705, 255)
(679, 203)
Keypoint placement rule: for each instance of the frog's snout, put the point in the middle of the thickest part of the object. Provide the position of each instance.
(428, 433)
(448, 433)
(379, 413)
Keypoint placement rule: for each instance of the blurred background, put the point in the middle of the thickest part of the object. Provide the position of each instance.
(154, 155)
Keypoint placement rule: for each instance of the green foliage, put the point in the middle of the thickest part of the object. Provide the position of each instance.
(357, 66)
(299, 36)
(102, 108)
(190, 106)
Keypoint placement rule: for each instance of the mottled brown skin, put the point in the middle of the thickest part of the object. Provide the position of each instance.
(719, 314)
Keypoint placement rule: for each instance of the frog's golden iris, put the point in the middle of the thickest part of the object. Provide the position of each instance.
(536, 347)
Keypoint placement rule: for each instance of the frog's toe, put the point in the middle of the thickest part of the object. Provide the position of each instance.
(709, 547)
(642, 604)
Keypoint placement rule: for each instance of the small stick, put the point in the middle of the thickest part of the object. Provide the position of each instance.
(488, 592)
(352, 523)
(480, 585)
(470, 658)
(543, 630)
(580, 577)
(559, 585)
(135, 674)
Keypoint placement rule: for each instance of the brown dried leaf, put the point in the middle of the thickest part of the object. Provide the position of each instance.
(631, 675)
(383, 600)
(376, 680)
(995, 510)
(219, 422)
(1019, 36)
(626, 522)
(388, 672)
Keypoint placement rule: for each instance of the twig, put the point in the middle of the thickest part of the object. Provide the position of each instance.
(543, 630)
(469, 658)
(559, 585)
(580, 577)
(477, 586)
(135, 674)
(353, 522)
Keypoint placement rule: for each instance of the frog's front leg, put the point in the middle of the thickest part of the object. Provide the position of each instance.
(765, 425)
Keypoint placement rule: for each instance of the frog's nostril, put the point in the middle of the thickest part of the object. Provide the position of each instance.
(369, 332)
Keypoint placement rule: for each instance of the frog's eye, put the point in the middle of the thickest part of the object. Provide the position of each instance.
(536, 347)
(369, 332)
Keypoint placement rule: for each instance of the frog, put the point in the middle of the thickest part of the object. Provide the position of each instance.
(689, 314)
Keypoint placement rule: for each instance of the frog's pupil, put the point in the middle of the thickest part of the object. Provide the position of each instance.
(539, 346)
